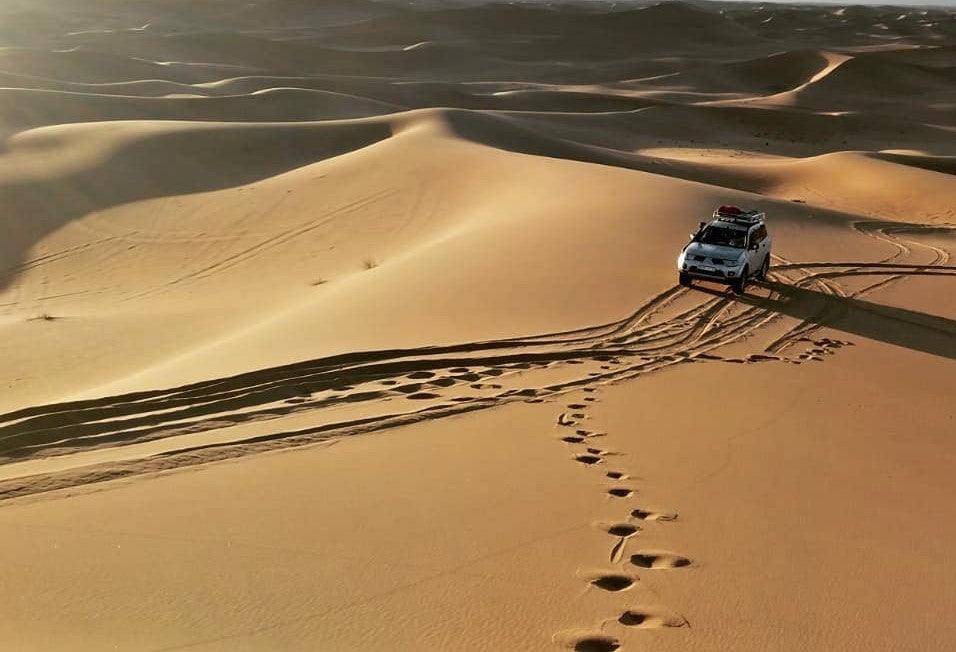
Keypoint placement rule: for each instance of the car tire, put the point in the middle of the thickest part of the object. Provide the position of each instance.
(740, 285)
(762, 274)
(684, 279)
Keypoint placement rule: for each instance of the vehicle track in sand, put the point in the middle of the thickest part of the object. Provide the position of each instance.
(79, 442)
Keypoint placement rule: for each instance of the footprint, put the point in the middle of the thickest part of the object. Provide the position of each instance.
(421, 396)
(620, 492)
(588, 459)
(596, 643)
(647, 515)
(571, 439)
(649, 619)
(564, 420)
(460, 370)
(659, 560)
(409, 389)
(443, 382)
(622, 529)
(578, 415)
(576, 406)
(617, 475)
(597, 451)
(590, 399)
(420, 375)
(613, 582)
(589, 390)
(586, 640)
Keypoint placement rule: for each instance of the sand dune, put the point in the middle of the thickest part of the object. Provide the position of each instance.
(355, 325)
(761, 76)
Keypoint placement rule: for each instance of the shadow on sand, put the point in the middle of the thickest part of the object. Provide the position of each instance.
(913, 330)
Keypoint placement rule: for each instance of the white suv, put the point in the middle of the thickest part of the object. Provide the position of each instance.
(731, 249)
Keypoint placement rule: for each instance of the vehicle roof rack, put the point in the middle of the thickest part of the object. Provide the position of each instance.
(736, 215)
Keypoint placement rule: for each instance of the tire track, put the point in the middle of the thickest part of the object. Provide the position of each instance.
(331, 395)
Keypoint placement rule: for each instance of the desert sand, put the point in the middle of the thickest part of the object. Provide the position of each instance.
(353, 325)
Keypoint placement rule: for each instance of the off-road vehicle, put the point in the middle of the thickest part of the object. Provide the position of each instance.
(732, 248)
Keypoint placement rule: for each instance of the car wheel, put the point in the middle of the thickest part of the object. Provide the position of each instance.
(684, 279)
(762, 274)
(741, 283)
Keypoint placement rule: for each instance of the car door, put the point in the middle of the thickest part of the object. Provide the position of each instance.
(763, 246)
(754, 256)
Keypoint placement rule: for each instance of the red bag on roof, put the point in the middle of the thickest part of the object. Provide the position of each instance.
(729, 210)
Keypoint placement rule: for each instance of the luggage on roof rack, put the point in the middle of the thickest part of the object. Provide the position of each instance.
(737, 215)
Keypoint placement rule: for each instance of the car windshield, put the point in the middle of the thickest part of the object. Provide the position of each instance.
(720, 235)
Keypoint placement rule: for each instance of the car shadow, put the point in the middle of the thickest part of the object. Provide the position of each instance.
(917, 331)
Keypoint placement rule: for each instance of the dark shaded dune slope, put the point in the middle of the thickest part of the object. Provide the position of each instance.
(791, 133)
(764, 75)
(26, 109)
(103, 67)
(883, 82)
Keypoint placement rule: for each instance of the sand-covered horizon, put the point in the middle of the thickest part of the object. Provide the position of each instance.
(355, 325)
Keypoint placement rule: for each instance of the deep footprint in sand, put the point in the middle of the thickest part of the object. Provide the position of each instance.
(650, 515)
(572, 439)
(596, 644)
(443, 382)
(623, 531)
(620, 492)
(613, 582)
(659, 560)
(617, 475)
(588, 459)
(421, 396)
(649, 619)
(420, 375)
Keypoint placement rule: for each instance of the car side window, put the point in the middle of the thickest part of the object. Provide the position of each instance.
(758, 234)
